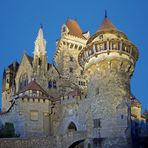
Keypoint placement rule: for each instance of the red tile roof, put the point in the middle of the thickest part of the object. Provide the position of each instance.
(74, 28)
(106, 25)
(33, 86)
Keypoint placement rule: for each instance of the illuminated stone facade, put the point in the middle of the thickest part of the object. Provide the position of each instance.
(83, 98)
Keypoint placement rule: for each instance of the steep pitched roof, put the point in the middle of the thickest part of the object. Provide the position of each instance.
(74, 28)
(33, 86)
(30, 59)
(106, 25)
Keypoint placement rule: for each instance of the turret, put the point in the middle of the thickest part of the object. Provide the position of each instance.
(70, 44)
(40, 59)
(8, 84)
(109, 60)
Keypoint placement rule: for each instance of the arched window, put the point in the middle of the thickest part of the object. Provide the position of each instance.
(54, 84)
(72, 127)
(23, 81)
(50, 84)
(71, 70)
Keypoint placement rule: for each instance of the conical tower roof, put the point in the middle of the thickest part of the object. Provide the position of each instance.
(106, 24)
(74, 28)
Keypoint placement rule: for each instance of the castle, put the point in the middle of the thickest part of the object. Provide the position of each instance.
(83, 97)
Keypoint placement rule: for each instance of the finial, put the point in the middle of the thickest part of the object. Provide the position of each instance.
(24, 51)
(105, 13)
(41, 26)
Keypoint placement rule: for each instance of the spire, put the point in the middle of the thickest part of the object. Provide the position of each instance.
(40, 51)
(40, 43)
(40, 32)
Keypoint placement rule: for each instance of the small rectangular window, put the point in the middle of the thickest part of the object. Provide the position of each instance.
(49, 84)
(54, 84)
(97, 123)
(79, 83)
(34, 115)
(101, 36)
(71, 59)
(81, 72)
(71, 70)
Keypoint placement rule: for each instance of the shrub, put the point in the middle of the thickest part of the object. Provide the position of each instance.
(7, 130)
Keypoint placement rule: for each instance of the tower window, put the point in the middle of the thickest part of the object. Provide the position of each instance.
(81, 72)
(71, 59)
(121, 116)
(71, 70)
(72, 127)
(50, 84)
(54, 84)
(23, 81)
(97, 123)
(64, 29)
(101, 36)
(39, 62)
(7, 80)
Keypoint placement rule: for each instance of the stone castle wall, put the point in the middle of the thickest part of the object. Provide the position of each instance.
(26, 143)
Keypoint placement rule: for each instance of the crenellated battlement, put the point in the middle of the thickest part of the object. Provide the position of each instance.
(73, 99)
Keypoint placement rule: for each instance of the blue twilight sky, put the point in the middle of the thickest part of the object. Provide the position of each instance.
(20, 20)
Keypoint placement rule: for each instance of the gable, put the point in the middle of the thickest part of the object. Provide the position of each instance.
(53, 72)
(24, 68)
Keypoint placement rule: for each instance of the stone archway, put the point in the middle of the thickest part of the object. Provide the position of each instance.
(73, 139)
(77, 144)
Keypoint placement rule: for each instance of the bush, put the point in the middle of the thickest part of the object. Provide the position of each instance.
(7, 131)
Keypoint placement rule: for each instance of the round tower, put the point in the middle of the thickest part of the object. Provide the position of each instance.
(109, 60)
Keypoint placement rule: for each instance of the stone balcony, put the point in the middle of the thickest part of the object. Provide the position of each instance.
(108, 47)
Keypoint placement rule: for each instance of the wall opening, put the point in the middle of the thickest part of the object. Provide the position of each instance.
(72, 127)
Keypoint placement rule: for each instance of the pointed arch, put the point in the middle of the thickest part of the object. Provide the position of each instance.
(72, 127)
(23, 81)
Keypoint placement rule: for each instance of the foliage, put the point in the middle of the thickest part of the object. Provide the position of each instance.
(7, 131)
